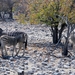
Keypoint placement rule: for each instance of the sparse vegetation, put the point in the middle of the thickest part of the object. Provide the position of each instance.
(50, 12)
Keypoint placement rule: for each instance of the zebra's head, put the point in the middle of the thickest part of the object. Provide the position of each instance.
(1, 31)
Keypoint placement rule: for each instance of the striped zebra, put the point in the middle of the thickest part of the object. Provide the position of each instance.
(12, 38)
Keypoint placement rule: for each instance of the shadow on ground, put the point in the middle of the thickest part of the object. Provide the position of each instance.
(40, 45)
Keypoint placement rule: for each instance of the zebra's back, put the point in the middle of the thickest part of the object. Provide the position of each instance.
(8, 40)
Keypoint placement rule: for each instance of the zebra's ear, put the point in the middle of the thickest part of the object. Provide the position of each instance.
(1, 30)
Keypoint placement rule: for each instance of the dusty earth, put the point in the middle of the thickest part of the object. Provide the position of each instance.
(41, 56)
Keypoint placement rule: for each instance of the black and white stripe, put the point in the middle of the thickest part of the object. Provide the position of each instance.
(12, 38)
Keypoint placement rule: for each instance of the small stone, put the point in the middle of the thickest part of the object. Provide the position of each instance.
(46, 60)
(66, 66)
(56, 70)
(3, 64)
(22, 68)
(27, 57)
(49, 66)
(44, 63)
(56, 73)
(47, 34)
(26, 67)
(52, 60)
(62, 71)
(26, 63)
(35, 51)
(70, 72)
(11, 58)
(41, 74)
(30, 72)
(8, 72)
(5, 74)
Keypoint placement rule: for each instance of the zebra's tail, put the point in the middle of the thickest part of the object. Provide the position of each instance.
(26, 41)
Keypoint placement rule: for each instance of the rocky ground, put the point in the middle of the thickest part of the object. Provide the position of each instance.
(41, 57)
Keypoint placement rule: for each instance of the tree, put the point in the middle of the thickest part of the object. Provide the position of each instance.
(70, 28)
(10, 4)
(22, 10)
(53, 12)
(48, 11)
(7, 6)
(3, 8)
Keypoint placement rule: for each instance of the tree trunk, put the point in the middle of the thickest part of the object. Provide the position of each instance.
(55, 34)
(65, 49)
(10, 13)
(61, 30)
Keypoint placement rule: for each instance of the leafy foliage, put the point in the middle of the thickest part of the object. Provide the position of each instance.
(47, 11)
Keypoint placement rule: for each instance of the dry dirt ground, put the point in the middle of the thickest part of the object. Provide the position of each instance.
(41, 56)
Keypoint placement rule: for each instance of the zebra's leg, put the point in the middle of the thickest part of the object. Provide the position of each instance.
(3, 48)
(23, 49)
(2, 51)
(26, 41)
(13, 51)
(1, 43)
(25, 44)
(17, 52)
(5, 51)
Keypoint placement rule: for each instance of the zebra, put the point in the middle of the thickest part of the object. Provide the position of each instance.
(12, 38)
